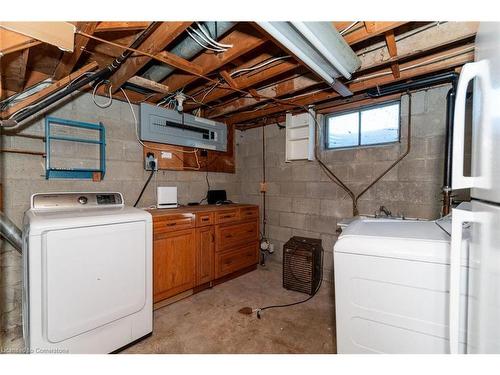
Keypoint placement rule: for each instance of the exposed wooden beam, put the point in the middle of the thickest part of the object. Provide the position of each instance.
(275, 91)
(461, 40)
(341, 25)
(33, 77)
(352, 102)
(13, 42)
(230, 81)
(376, 28)
(390, 41)
(22, 68)
(163, 56)
(49, 90)
(244, 82)
(110, 50)
(107, 26)
(164, 34)
(1, 85)
(208, 62)
(148, 84)
(14, 69)
(69, 59)
(426, 65)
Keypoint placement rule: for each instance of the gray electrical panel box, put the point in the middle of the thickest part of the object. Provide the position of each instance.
(163, 125)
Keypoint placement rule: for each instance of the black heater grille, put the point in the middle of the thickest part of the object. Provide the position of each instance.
(302, 264)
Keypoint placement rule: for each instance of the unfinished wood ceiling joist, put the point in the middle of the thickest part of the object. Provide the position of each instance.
(434, 63)
(232, 85)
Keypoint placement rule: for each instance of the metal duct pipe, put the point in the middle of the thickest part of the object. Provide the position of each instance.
(11, 233)
(413, 85)
(102, 74)
(186, 48)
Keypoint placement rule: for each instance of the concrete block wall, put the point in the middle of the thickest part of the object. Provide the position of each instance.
(23, 175)
(302, 200)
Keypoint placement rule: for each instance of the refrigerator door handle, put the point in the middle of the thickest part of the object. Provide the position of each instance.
(479, 69)
(458, 218)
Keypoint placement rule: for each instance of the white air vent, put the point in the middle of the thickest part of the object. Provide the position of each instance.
(300, 140)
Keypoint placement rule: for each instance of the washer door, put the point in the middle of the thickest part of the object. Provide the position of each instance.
(92, 276)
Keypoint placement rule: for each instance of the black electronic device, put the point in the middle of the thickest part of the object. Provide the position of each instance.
(216, 196)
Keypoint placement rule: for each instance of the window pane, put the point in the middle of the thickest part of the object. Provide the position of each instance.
(380, 125)
(343, 130)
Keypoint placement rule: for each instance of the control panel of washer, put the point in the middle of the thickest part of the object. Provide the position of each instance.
(75, 200)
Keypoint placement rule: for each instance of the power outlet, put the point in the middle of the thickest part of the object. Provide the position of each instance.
(149, 158)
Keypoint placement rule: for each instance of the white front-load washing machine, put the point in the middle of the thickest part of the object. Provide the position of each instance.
(392, 287)
(87, 273)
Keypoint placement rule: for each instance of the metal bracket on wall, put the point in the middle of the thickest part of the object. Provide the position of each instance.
(75, 173)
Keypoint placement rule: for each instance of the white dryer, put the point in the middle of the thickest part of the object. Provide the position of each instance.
(87, 273)
(392, 287)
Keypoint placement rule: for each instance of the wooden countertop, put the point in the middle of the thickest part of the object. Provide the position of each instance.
(194, 209)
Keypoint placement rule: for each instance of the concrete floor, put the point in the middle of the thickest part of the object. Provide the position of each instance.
(209, 322)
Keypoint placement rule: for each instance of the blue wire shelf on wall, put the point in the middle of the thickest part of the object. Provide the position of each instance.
(75, 173)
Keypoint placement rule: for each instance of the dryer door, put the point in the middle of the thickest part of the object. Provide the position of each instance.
(92, 276)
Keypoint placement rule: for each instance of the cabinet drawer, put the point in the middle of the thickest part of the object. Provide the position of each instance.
(230, 261)
(204, 218)
(229, 236)
(172, 223)
(249, 213)
(227, 216)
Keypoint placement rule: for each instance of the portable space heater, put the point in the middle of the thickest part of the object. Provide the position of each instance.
(302, 264)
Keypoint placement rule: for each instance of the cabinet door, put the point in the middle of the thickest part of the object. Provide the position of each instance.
(174, 263)
(205, 244)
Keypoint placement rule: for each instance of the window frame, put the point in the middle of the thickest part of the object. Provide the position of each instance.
(359, 110)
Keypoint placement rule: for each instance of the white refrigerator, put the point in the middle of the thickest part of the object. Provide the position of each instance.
(483, 279)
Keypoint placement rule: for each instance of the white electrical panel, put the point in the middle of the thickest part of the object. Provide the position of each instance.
(300, 137)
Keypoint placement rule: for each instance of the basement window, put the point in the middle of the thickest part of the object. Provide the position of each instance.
(367, 126)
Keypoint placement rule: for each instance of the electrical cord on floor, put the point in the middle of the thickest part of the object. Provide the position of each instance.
(152, 164)
(249, 310)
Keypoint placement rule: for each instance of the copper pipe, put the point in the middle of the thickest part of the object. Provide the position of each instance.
(408, 148)
(335, 179)
(446, 202)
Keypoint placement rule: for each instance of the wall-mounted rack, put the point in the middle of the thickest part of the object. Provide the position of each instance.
(95, 174)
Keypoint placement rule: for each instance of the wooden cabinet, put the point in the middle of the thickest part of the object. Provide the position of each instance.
(195, 247)
(174, 263)
(205, 254)
(233, 235)
(233, 260)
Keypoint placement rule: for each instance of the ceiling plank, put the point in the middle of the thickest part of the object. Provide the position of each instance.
(376, 28)
(411, 69)
(113, 26)
(49, 90)
(69, 60)
(275, 91)
(59, 34)
(208, 62)
(390, 41)
(148, 84)
(164, 34)
(13, 42)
